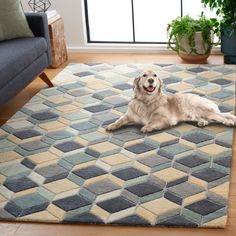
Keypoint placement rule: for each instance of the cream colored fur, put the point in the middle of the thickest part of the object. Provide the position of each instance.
(154, 110)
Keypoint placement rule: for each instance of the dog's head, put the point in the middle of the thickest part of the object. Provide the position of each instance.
(147, 84)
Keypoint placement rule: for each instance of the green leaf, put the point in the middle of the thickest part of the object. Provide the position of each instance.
(187, 26)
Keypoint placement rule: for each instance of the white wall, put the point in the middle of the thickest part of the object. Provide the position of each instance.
(72, 12)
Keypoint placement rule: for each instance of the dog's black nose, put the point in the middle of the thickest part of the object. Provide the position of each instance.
(151, 81)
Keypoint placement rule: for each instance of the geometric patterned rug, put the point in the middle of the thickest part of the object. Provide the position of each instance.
(58, 164)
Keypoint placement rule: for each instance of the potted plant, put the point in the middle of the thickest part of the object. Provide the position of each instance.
(226, 9)
(192, 38)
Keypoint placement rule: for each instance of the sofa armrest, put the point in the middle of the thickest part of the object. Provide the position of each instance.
(39, 25)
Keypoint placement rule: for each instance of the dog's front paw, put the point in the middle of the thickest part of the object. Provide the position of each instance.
(146, 129)
(111, 127)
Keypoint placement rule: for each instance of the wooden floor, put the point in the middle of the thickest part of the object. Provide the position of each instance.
(33, 229)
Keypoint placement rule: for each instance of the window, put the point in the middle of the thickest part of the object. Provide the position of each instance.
(135, 21)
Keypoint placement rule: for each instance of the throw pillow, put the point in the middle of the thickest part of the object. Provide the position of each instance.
(13, 23)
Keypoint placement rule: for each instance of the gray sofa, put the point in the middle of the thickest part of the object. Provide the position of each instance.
(23, 59)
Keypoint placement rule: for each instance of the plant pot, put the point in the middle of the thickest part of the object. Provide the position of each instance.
(228, 47)
(194, 58)
(201, 49)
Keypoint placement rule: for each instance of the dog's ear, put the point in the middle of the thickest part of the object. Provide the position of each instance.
(161, 85)
(136, 82)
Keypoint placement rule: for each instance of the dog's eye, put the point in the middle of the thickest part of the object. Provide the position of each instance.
(144, 75)
(154, 75)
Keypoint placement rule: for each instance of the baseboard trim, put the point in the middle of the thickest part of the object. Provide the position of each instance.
(101, 48)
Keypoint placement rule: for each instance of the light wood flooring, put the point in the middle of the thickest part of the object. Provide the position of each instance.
(34, 229)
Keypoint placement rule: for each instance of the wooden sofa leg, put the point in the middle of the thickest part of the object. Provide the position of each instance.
(45, 78)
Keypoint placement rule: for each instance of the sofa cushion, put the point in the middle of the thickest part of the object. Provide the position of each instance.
(13, 23)
(18, 54)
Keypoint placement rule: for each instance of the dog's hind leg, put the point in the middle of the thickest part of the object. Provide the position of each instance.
(123, 120)
(222, 118)
(228, 115)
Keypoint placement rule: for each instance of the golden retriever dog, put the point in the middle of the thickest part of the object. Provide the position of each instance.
(154, 110)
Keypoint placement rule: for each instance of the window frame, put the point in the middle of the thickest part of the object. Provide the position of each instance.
(87, 27)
